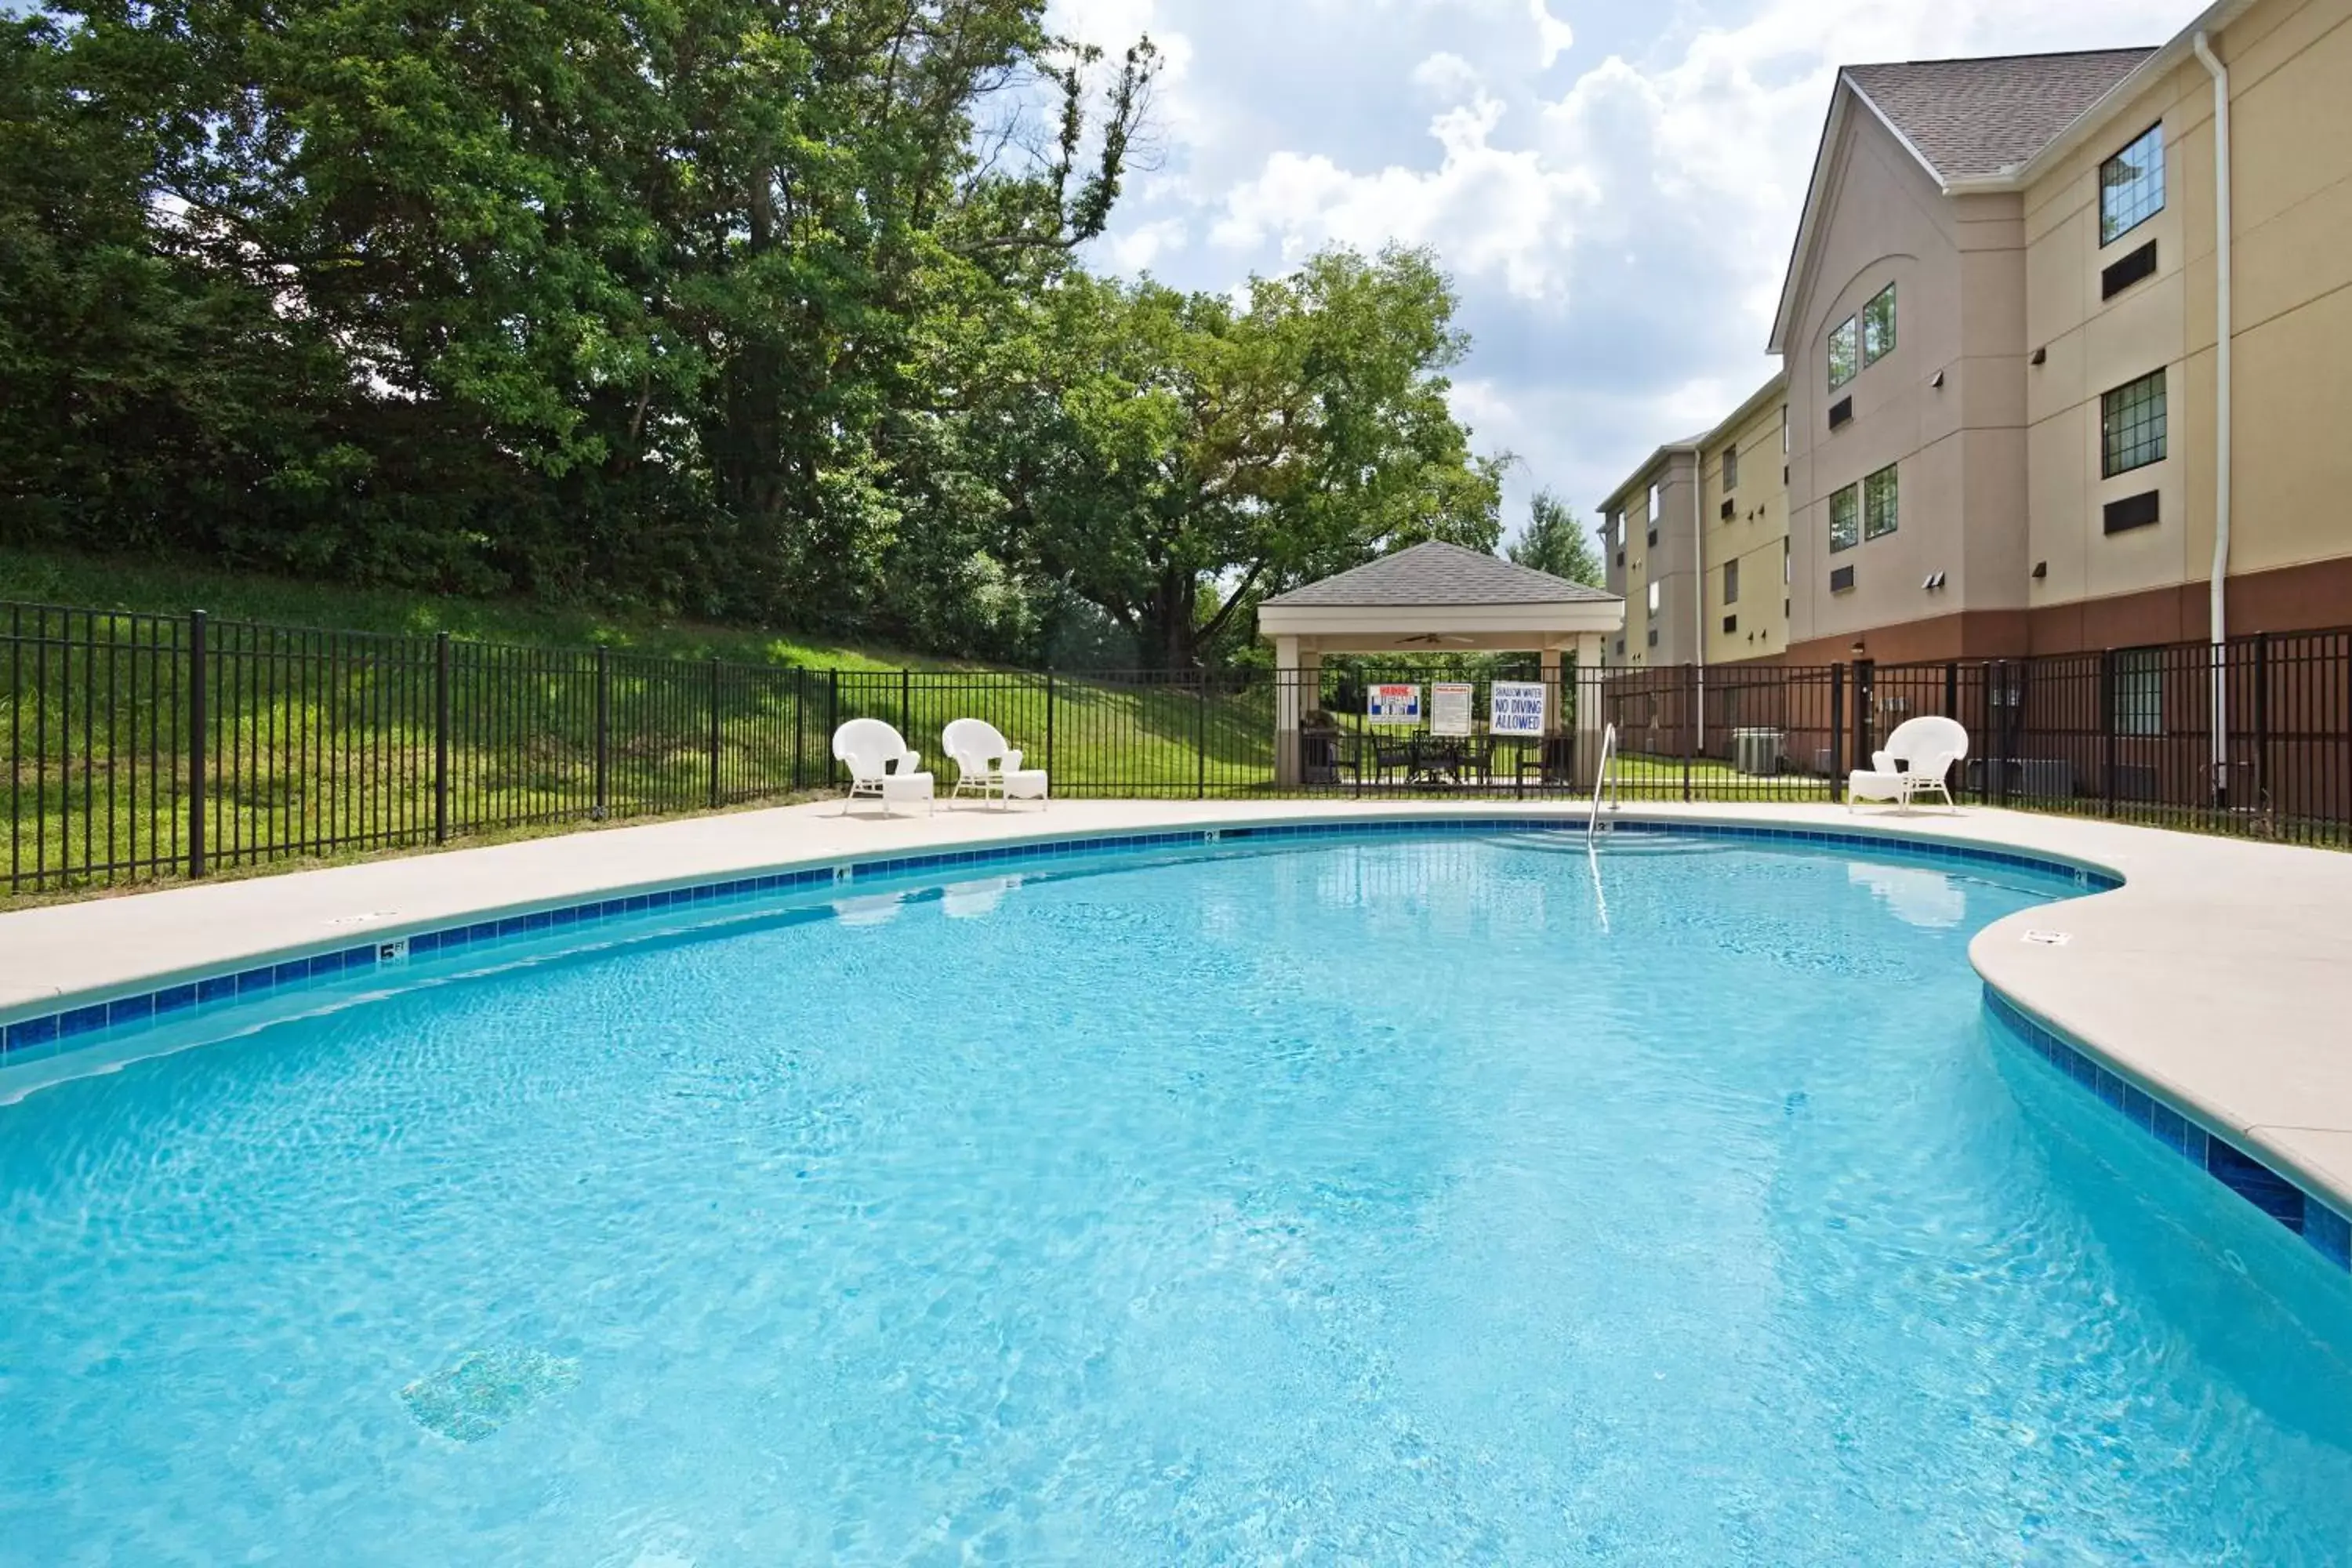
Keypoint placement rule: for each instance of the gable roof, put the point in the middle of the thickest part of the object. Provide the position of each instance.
(1979, 118)
(1984, 120)
(1437, 573)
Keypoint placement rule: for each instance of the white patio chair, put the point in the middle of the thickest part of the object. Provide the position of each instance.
(881, 765)
(986, 764)
(1914, 762)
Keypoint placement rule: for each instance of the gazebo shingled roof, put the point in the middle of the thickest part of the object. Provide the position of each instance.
(1438, 574)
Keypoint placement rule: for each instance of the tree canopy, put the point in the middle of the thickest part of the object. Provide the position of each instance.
(749, 308)
(1555, 541)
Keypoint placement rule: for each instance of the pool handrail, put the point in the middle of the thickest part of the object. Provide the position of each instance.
(1601, 778)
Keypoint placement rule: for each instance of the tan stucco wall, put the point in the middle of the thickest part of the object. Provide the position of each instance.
(1756, 536)
(1959, 269)
(1668, 561)
(2290, 92)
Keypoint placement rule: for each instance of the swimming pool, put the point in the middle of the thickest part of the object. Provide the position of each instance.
(1412, 1200)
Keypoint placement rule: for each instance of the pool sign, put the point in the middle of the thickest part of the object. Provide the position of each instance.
(1517, 708)
(1449, 708)
(1392, 704)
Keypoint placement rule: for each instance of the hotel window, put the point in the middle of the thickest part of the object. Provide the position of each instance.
(1654, 587)
(1784, 429)
(1879, 503)
(1653, 514)
(1879, 326)
(1731, 467)
(2131, 186)
(2131, 426)
(1787, 565)
(1845, 518)
(1845, 349)
(2139, 691)
(1732, 581)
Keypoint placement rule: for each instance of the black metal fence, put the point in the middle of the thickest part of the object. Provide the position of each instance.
(141, 746)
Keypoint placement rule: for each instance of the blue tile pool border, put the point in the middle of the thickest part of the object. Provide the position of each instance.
(2315, 1218)
(74, 1018)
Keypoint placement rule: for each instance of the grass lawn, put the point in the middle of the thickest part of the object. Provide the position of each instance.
(325, 745)
(158, 587)
(318, 743)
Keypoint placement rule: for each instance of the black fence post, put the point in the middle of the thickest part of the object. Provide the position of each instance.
(832, 720)
(714, 734)
(1952, 707)
(1689, 723)
(800, 708)
(2108, 728)
(2000, 709)
(2261, 801)
(604, 806)
(1837, 733)
(1201, 736)
(1049, 721)
(1865, 709)
(906, 682)
(199, 728)
(441, 737)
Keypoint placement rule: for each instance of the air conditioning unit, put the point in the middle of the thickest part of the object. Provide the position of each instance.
(1755, 753)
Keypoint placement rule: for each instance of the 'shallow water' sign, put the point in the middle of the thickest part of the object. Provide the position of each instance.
(1518, 708)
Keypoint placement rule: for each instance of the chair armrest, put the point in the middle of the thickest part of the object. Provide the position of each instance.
(1012, 761)
(1882, 763)
(911, 763)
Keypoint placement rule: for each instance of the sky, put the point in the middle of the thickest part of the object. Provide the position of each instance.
(1613, 184)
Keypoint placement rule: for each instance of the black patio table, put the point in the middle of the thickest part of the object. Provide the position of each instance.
(1448, 759)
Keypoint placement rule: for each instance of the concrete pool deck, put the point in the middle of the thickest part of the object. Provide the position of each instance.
(2218, 976)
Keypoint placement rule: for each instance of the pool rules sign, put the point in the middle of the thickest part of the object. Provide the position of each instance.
(1516, 708)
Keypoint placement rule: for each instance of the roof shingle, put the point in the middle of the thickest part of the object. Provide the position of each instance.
(1977, 119)
(1437, 574)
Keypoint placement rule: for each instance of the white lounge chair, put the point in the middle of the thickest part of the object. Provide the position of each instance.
(1914, 762)
(987, 764)
(881, 765)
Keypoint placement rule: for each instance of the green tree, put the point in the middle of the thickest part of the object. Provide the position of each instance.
(1555, 541)
(584, 297)
(1174, 458)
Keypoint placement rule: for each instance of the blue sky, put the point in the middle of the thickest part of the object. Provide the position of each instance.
(1612, 185)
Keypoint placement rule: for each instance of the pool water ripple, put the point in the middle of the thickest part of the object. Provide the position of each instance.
(1355, 1203)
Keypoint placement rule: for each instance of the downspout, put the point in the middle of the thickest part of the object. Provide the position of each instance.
(1698, 581)
(1699, 577)
(2219, 616)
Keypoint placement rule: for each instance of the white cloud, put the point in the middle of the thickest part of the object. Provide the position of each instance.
(1617, 237)
(1135, 249)
(1554, 37)
(1448, 76)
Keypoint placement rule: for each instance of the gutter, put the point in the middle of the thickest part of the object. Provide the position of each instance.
(1697, 450)
(2218, 618)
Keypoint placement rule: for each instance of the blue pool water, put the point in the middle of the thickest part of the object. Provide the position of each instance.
(1401, 1202)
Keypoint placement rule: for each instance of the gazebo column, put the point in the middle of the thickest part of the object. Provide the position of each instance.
(1289, 680)
(1590, 717)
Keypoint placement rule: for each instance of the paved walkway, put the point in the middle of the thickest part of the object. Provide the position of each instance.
(2221, 974)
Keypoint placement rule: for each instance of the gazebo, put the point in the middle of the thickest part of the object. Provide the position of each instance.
(1433, 598)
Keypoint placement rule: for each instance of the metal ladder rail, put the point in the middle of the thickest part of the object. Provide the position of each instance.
(1605, 778)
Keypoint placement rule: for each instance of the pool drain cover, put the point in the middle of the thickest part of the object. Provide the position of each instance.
(486, 1390)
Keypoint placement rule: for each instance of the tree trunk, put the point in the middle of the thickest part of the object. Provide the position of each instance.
(1167, 618)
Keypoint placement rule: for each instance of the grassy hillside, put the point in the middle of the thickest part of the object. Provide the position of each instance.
(315, 746)
(118, 583)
